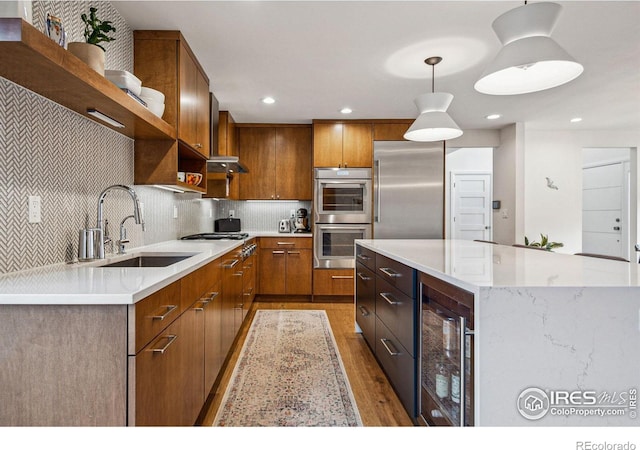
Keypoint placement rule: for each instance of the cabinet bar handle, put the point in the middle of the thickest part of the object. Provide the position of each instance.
(293, 253)
(170, 309)
(363, 277)
(364, 311)
(278, 252)
(170, 339)
(197, 145)
(229, 265)
(393, 352)
(200, 308)
(286, 243)
(213, 295)
(390, 273)
(388, 297)
(363, 257)
(342, 277)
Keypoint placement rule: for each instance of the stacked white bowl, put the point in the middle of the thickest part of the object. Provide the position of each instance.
(154, 100)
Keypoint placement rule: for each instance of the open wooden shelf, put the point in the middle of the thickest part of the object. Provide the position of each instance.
(32, 60)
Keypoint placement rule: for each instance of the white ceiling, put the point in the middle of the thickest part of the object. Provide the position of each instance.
(316, 57)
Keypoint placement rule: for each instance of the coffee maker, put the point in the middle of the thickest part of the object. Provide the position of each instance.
(301, 222)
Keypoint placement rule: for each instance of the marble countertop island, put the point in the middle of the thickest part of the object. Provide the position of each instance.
(556, 323)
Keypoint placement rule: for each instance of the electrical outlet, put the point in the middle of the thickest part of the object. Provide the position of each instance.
(175, 212)
(505, 213)
(210, 213)
(141, 206)
(292, 212)
(35, 209)
(232, 213)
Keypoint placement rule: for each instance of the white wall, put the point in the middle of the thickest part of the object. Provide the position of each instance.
(558, 155)
(508, 185)
(477, 159)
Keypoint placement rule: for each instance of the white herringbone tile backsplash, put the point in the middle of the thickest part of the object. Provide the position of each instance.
(67, 160)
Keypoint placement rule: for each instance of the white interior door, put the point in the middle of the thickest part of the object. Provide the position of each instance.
(471, 206)
(605, 209)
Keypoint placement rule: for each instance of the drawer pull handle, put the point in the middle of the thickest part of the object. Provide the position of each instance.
(363, 277)
(213, 295)
(387, 343)
(170, 309)
(342, 277)
(390, 273)
(197, 145)
(286, 243)
(388, 297)
(278, 252)
(363, 257)
(364, 311)
(293, 253)
(229, 265)
(203, 303)
(249, 292)
(170, 339)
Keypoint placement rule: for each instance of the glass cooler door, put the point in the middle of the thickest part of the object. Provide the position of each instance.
(446, 376)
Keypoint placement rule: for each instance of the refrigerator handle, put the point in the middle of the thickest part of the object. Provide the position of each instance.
(376, 192)
(463, 369)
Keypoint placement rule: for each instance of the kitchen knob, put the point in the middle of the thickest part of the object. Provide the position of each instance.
(616, 228)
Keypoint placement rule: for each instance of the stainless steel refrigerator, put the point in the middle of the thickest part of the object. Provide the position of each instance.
(408, 190)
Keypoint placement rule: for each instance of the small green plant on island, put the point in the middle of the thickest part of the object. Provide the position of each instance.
(544, 243)
(95, 30)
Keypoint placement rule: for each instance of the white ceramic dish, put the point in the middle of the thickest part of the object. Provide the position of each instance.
(152, 94)
(154, 107)
(125, 80)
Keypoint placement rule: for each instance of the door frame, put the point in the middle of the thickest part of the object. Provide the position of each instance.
(452, 201)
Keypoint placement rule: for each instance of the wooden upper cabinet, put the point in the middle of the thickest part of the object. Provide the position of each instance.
(293, 163)
(164, 61)
(342, 144)
(278, 159)
(392, 131)
(258, 154)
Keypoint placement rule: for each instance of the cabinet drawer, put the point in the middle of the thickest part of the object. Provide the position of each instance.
(365, 303)
(399, 275)
(285, 242)
(399, 366)
(199, 281)
(366, 257)
(333, 282)
(154, 313)
(397, 311)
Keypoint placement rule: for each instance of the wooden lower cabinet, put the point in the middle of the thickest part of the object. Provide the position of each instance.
(285, 266)
(333, 282)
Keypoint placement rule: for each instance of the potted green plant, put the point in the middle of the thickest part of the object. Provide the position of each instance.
(95, 32)
(544, 243)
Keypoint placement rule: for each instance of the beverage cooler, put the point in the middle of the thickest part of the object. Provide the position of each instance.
(446, 365)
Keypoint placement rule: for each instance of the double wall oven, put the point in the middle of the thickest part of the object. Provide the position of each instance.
(342, 213)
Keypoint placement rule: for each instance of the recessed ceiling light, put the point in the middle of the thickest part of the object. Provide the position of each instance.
(576, 120)
(493, 116)
(268, 100)
(346, 111)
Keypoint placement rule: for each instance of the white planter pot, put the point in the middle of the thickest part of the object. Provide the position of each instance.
(91, 54)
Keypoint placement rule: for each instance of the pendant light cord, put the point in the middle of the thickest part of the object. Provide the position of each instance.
(433, 78)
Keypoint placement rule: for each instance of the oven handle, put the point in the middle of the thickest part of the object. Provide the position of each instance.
(342, 227)
(346, 184)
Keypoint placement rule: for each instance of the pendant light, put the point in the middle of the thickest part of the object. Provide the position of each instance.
(529, 60)
(433, 123)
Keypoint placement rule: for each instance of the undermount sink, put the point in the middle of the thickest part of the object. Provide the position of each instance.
(150, 261)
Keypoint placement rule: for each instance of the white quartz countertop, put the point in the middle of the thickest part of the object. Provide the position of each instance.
(471, 265)
(85, 283)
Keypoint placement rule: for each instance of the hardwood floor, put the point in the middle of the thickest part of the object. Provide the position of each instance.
(377, 402)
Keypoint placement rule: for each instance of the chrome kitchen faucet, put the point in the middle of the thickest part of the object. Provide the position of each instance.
(100, 222)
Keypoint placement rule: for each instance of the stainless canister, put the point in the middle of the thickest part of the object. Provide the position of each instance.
(89, 244)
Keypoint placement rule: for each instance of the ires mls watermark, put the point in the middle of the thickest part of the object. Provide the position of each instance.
(534, 403)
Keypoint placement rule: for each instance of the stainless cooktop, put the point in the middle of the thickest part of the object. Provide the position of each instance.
(217, 236)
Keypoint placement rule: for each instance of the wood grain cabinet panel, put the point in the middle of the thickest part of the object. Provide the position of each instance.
(342, 144)
(333, 282)
(278, 159)
(285, 266)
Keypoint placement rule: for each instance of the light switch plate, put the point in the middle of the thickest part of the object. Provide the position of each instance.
(175, 212)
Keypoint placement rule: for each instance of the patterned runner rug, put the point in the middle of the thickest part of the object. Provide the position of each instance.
(289, 373)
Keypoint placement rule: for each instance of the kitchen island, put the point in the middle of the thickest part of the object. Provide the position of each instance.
(556, 337)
